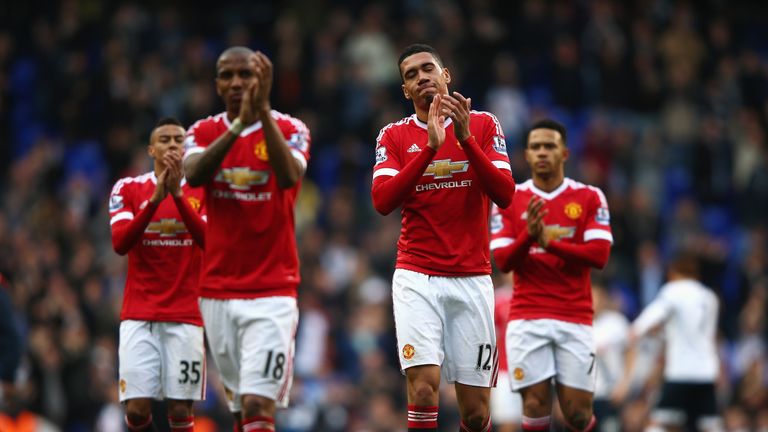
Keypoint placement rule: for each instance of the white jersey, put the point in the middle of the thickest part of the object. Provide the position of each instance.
(689, 312)
(611, 330)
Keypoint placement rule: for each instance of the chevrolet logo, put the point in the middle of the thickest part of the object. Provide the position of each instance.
(441, 169)
(166, 227)
(241, 178)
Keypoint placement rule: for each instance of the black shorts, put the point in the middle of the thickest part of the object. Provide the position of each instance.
(686, 403)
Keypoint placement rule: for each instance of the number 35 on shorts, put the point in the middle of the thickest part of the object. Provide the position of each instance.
(189, 372)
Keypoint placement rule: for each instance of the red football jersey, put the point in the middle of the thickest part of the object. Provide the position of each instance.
(545, 285)
(164, 266)
(445, 219)
(502, 297)
(250, 247)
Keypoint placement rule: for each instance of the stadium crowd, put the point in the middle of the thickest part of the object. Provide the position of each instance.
(666, 104)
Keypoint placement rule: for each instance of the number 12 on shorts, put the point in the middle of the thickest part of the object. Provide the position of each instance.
(484, 356)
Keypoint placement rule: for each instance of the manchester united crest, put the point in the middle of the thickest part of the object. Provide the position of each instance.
(123, 385)
(260, 150)
(573, 210)
(519, 374)
(408, 351)
(194, 203)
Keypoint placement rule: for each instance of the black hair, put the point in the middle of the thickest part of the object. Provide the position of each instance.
(552, 125)
(418, 48)
(168, 121)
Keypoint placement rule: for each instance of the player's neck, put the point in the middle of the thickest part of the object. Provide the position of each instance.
(158, 169)
(422, 115)
(548, 184)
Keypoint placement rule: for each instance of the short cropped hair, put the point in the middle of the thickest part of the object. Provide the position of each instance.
(418, 48)
(168, 121)
(550, 124)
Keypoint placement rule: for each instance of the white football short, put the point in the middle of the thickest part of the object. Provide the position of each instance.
(543, 348)
(506, 405)
(446, 321)
(252, 343)
(161, 360)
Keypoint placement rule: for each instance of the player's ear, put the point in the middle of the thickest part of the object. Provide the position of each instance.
(405, 92)
(447, 75)
(566, 153)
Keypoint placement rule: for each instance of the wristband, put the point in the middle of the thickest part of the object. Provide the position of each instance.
(236, 127)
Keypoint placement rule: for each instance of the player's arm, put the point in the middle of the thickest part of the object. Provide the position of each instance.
(596, 248)
(288, 170)
(127, 228)
(496, 182)
(391, 186)
(192, 220)
(509, 253)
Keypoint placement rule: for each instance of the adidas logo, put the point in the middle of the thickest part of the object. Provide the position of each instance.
(414, 149)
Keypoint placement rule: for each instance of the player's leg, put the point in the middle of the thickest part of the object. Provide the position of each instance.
(221, 334)
(703, 408)
(180, 415)
(576, 372)
(670, 411)
(184, 371)
(471, 359)
(531, 363)
(419, 331)
(267, 340)
(140, 365)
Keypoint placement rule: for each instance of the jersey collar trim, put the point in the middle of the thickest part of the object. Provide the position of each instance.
(247, 131)
(423, 125)
(551, 195)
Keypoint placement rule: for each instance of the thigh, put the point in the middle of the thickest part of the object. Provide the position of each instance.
(140, 361)
(267, 340)
(530, 354)
(418, 324)
(221, 335)
(183, 353)
(575, 355)
(469, 331)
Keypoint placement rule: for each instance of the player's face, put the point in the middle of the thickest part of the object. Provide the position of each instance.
(234, 74)
(545, 153)
(423, 78)
(166, 138)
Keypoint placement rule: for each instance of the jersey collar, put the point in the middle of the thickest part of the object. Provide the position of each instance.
(551, 195)
(423, 125)
(247, 131)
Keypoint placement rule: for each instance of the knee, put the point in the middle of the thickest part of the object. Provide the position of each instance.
(179, 409)
(535, 406)
(579, 418)
(258, 406)
(475, 419)
(138, 411)
(423, 393)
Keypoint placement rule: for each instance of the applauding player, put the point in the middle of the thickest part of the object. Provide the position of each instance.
(161, 350)
(553, 234)
(444, 165)
(250, 160)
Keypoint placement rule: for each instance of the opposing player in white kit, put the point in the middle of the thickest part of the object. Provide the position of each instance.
(250, 159)
(161, 354)
(444, 165)
(686, 311)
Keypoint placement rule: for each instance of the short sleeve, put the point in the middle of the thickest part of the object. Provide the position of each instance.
(197, 139)
(120, 205)
(298, 138)
(598, 222)
(503, 231)
(494, 144)
(387, 159)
